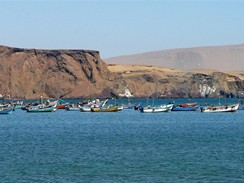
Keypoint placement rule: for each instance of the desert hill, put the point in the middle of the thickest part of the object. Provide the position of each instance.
(151, 81)
(31, 73)
(223, 58)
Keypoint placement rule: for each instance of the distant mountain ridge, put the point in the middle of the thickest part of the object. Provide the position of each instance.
(223, 58)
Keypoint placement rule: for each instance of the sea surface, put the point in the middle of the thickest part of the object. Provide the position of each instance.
(127, 146)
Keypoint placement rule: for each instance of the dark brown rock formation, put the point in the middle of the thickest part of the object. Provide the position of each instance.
(31, 73)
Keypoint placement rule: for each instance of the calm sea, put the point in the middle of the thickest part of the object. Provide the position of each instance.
(126, 146)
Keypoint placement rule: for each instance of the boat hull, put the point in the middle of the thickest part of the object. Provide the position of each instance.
(73, 108)
(215, 109)
(188, 105)
(49, 109)
(62, 106)
(6, 111)
(153, 110)
(163, 108)
(110, 109)
(85, 109)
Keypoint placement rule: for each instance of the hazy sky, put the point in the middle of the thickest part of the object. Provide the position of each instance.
(120, 27)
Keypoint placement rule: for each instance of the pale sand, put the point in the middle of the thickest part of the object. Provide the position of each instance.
(222, 58)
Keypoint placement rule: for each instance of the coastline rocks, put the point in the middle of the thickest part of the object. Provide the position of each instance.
(31, 73)
(149, 81)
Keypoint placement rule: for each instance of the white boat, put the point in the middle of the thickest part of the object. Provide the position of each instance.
(85, 109)
(223, 108)
(6, 110)
(162, 108)
(88, 107)
(120, 108)
(45, 107)
(41, 108)
(73, 108)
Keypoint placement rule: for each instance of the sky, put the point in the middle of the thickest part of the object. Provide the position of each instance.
(121, 27)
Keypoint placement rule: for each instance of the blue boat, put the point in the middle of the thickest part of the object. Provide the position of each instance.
(6, 110)
(135, 106)
(128, 107)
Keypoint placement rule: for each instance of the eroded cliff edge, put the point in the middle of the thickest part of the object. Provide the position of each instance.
(31, 73)
(150, 81)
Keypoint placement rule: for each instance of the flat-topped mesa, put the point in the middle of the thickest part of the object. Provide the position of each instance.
(30, 73)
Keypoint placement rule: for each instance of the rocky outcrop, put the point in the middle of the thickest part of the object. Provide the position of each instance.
(149, 81)
(31, 73)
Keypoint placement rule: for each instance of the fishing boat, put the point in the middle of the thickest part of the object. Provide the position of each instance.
(41, 109)
(18, 104)
(85, 108)
(129, 106)
(137, 106)
(185, 107)
(73, 107)
(46, 107)
(162, 108)
(223, 108)
(120, 108)
(6, 110)
(105, 109)
(4, 105)
(62, 104)
(94, 104)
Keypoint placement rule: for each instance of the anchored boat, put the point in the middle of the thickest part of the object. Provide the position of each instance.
(162, 108)
(105, 109)
(6, 110)
(223, 108)
(47, 107)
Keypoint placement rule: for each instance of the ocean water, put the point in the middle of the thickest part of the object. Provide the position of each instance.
(126, 146)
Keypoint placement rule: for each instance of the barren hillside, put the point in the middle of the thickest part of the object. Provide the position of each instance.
(223, 58)
(151, 81)
(31, 73)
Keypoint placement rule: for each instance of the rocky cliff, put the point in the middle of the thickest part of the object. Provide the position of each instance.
(31, 73)
(149, 81)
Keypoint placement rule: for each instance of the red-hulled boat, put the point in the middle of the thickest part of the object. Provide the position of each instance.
(188, 105)
(62, 104)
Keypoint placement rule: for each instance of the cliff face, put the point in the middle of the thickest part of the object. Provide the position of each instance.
(149, 81)
(31, 73)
